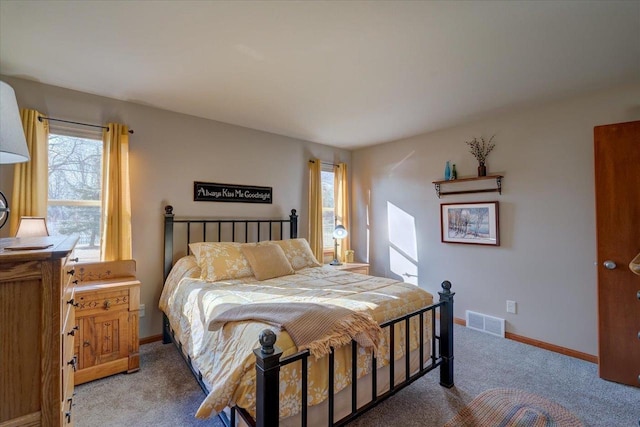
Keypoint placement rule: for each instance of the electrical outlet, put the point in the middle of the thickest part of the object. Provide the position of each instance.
(141, 312)
(511, 307)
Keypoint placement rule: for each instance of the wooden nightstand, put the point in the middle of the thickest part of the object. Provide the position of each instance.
(354, 267)
(108, 298)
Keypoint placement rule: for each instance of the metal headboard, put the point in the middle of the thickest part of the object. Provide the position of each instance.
(221, 230)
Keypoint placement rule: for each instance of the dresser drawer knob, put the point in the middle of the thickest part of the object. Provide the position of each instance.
(73, 330)
(68, 416)
(73, 259)
(75, 282)
(107, 304)
(86, 343)
(71, 272)
(73, 362)
(73, 303)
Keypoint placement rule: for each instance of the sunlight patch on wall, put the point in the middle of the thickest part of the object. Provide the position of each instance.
(402, 231)
(403, 244)
(403, 267)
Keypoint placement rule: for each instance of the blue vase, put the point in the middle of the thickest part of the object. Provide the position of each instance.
(447, 172)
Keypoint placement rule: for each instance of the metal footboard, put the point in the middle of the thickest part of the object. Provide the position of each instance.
(269, 363)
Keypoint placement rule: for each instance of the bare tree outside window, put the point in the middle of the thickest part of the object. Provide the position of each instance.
(75, 174)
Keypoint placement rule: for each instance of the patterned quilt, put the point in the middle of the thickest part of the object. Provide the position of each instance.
(225, 357)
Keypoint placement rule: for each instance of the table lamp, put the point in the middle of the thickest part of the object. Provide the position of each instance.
(32, 226)
(339, 233)
(13, 144)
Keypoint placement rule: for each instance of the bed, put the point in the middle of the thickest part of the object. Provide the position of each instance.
(255, 366)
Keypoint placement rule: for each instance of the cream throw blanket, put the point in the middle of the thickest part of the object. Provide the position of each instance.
(311, 326)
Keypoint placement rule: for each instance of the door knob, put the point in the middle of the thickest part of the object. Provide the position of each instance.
(609, 265)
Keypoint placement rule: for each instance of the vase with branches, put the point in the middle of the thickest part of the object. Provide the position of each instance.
(480, 150)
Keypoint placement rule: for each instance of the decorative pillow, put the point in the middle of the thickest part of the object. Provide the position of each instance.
(184, 267)
(221, 261)
(267, 261)
(194, 248)
(297, 252)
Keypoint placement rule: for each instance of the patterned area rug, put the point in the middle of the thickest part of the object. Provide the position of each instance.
(513, 408)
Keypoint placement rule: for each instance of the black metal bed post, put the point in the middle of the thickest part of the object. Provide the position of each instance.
(446, 335)
(267, 380)
(293, 230)
(168, 262)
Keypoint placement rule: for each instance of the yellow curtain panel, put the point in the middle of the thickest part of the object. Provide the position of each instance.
(31, 179)
(315, 209)
(116, 194)
(341, 189)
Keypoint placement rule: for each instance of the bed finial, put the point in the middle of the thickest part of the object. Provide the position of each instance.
(168, 210)
(446, 287)
(267, 380)
(293, 231)
(446, 334)
(267, 341)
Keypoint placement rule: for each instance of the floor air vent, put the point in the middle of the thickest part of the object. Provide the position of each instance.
(483, 323)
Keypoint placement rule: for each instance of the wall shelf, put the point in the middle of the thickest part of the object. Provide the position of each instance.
(497, 178)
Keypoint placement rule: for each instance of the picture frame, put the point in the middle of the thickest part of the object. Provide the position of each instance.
(475, 223)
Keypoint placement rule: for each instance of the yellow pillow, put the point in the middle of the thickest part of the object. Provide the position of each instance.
(297, 252)
(194, 248)
(267, 261)
(222, 261)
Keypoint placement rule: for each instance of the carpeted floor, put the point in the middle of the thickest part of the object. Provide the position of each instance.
(164, 393)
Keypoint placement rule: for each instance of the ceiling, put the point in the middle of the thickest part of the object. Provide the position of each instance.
(346, 74)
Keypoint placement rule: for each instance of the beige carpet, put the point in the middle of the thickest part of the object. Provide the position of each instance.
(503, 407)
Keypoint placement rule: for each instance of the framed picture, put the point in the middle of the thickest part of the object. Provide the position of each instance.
(472, 223)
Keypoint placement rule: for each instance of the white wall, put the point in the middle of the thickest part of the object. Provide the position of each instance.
(547, 214)
(168, 151)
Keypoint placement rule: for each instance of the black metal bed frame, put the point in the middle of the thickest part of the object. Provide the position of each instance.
(268, 356)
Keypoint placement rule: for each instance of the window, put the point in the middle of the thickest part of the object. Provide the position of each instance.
(328, 206)
(75, 176)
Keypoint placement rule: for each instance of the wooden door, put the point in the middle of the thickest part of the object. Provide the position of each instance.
(617, 173)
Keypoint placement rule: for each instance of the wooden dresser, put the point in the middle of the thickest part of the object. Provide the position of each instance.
(108, 298)
(36, 332)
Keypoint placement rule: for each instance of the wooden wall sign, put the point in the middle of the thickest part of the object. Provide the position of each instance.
(213, 192)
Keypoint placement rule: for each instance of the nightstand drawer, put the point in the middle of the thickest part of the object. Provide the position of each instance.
(91, 303)
(352, 267)
(359, 270)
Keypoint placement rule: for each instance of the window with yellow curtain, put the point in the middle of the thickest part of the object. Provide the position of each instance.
(327, 176)
(75, 187)
(335, 207)
(88, 191)
(342, 203)
(79, 180)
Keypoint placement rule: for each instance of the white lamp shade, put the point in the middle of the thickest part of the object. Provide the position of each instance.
(340, 232)
(32, 226)
(13, 144)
